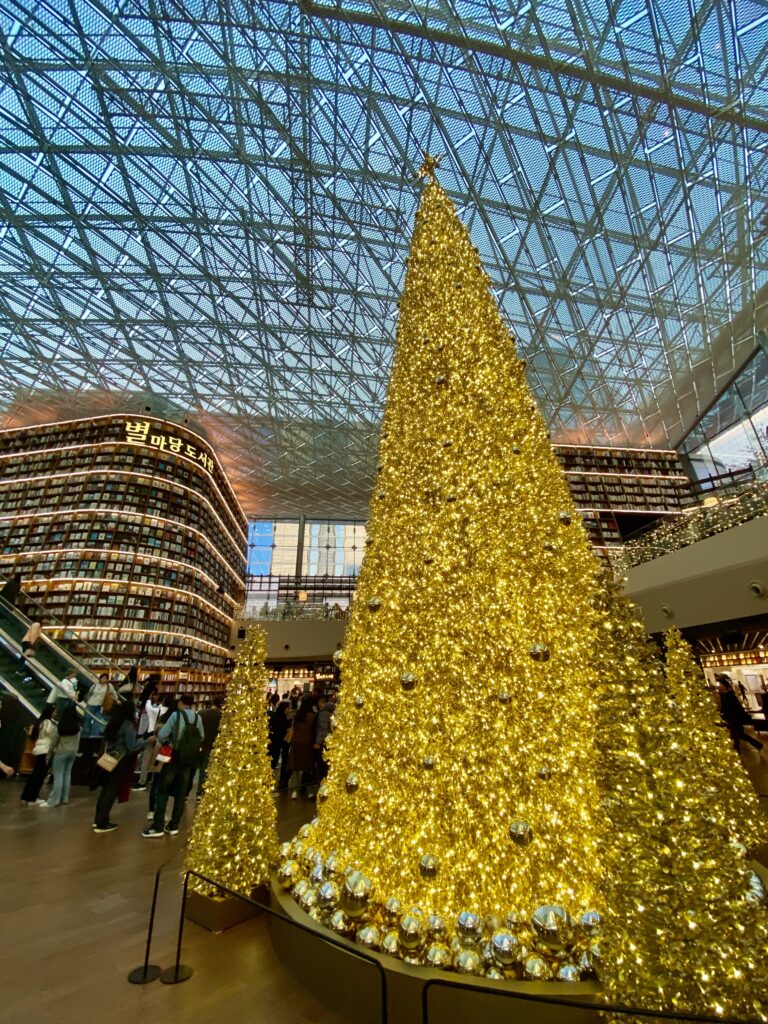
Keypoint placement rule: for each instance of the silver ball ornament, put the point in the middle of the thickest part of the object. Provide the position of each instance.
(505, 697)
(411, 932)
(300, 888)
(323, 792)
(369, 937)
(332, 865)
(303, 832)
(591, 923)
(469, 927)
(428, 866)
(552, 927)
(429, 762)
(494, 974)
(505, 947)
(328, 896)
(536, 969)
(359, 701)
(308, 898)
(340, 923)
(544, 773)
(338, 657)
(468, 961)
(568, 972)
(355, 894)
(408, 681)
(390, 944)
(436, 927)
(438, 956)
(352, 783)
(393, 910)
(539, 652)
(521, 833)
(441, 380)
(514, 921)
(565, 518)
(317, 874)
(288, 873)
(756, 894)
(374, 604)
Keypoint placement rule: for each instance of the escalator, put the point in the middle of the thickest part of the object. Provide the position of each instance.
(31, 679)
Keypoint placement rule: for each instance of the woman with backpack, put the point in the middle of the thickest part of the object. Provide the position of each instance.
(121, 741)
(44, 735)
(64, 752)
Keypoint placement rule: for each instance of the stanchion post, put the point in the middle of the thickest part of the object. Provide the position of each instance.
(179, 972)
(148, 972)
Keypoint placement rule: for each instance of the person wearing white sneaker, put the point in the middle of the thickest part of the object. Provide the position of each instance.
(64, 754)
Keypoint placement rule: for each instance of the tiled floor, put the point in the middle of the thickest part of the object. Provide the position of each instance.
(74, 912)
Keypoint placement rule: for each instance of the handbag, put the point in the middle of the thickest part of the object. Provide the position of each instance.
(164, 754)
(109, 761)
(108, 703)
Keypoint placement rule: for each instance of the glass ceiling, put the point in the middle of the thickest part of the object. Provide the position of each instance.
(206, 207)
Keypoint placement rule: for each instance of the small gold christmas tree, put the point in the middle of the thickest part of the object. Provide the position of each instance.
(234, 839)
(686, 925)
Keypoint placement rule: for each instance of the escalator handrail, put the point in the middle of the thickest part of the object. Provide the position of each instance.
(53, 618)
(43, 676)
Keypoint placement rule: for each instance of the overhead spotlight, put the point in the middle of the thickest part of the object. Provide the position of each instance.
(147, 408)
(757, 589)
(666, 611)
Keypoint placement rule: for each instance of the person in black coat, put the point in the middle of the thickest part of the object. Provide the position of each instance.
(12, 589)
(279, 723)
(734, 715)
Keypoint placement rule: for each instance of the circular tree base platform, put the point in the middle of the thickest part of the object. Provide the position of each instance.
(353, 988)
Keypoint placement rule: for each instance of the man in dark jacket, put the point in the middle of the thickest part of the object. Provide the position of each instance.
(734, 715)
(325, 710)
(211, 719)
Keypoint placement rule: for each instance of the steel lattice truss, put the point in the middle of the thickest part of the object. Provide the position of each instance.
(210, 204)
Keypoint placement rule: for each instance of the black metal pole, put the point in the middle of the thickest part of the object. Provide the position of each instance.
(179, 972)
(148, 972)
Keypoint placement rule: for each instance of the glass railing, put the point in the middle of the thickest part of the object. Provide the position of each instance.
(714, 515)
(293, 610)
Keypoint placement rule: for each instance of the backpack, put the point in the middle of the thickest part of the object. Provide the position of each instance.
(187, 741)
(69, 720)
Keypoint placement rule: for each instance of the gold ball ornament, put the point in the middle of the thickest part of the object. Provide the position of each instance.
(552, 927)
(328, 896)
(441, 380)
(323, 792)
(468, 961)
(408, 681)
(298, 847)
(285, 851)
(469, 927)
(505, 947)
(539, 652)
(514, 921)
(352, 783)
(544, 773)
(494, 974)
(521, 833)
(756, 894)
(447, 443)
(411, 932)
(438, 955)
(338, 657)
(288, 873)
(332, 865)
(390, 944)
(392, 910)
(428, 866)
(374, 604)
(535, 968)
(492, 923)
(369, 937)
(505, 697)
(355, 894)
(359, 701)
(565, 518)
(515, 449)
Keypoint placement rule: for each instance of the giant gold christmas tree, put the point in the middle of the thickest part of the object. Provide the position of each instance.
(234, 839)
(462, 772)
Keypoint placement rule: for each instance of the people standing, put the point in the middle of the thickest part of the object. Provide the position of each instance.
(184, 732)
(31, 638)
(301, 757)
(64, 690)
(149, 714)
(326, 708)
(44, 735)
(734, 715)
(278, 727)
(99, 702)
(121, 742)
(211, 719)
(64, 753)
